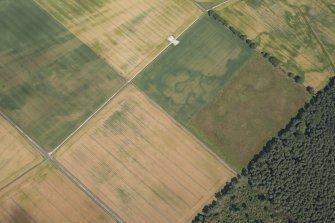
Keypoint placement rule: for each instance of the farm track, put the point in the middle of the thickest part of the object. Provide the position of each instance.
(42, 152)
(83, 188)
(199, 6)
(223, 3)
(49, 157)
(23, 174)
(129, 82)
(318, 40)
(188, 132)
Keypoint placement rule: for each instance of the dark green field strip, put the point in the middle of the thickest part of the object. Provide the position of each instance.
(50, 81)
(249, 111)
(222, 91)
(188, 76)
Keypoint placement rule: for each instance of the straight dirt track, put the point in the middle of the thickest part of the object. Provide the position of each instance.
(45, 195)
(140, 163)
(126, 33)
(300, 34)
(16, 154)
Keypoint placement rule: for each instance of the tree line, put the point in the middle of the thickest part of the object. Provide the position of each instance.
(253, 45)
(292, 179)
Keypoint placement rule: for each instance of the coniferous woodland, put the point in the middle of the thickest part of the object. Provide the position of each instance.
(292, 179)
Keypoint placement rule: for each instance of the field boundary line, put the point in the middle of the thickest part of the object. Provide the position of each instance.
(199, 6)
(167, 46)
(128, 82)
(23, 174)
(206, 199)
(39, 149)
(188, 132)
(225, 2)
(306, 19)
(86, 190)
(189, 26)
(117, 71)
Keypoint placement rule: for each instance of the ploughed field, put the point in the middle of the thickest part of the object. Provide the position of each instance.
(192, 82)
(128, 34)
(299, 33)
(50, 81)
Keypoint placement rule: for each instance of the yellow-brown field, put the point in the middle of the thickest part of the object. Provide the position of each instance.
(126, 33)
(44, 195)
(16, 155)
(298, 32)
(142, 164)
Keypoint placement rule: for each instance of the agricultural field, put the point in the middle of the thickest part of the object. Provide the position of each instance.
(299, 33)
(321, 18)
(128, 34)
(142, 164)
(185, 78)
(44, 195)
(16, 155)
(47, 74)
(208, 4)
(222, 91)
(249, 111)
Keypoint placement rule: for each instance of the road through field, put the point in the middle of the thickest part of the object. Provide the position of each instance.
(141, 164)
(331, 62)
(49, 156)
(46, 195)
(82, 187)
(125, 33)
(130, 81)
(42, 152)
(223, 3)
(189, 133)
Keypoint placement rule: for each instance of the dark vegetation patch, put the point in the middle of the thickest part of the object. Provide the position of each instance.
(292, 179)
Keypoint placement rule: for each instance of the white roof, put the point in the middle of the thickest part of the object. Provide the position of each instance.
(173, 40)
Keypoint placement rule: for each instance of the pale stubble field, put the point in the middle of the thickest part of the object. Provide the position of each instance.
(16, 154)
(45, 195)
(128, 34)
(142, 164)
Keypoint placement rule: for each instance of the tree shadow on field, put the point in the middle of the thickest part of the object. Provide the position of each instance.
(19, 215)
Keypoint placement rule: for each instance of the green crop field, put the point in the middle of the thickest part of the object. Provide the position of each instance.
(207, 4)
(50, 82)
(299, 33)
(222, 91)
(255, 105)
(190, 75)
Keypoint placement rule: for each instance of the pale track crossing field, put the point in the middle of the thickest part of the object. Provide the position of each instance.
(50, 81)
(16, 154)
(45, 195)
(126, 33)
(208, 4)
(299, 33)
